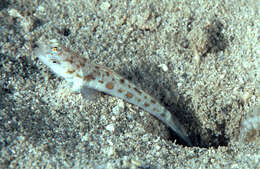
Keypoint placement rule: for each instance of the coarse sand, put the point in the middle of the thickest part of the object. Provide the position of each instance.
(200, 59)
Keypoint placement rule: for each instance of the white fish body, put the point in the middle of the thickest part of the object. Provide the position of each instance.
(75, 70)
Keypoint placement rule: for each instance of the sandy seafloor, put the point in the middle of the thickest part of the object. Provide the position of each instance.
(198, 58)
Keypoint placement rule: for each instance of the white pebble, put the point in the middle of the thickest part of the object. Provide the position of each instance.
(110, 127)
(164, 67)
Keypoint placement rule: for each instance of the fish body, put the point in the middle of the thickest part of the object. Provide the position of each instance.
(83, 75)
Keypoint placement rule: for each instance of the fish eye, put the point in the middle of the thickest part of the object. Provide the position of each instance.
(54, 49)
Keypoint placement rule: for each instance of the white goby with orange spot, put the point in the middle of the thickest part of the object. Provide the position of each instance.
(83, 76)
